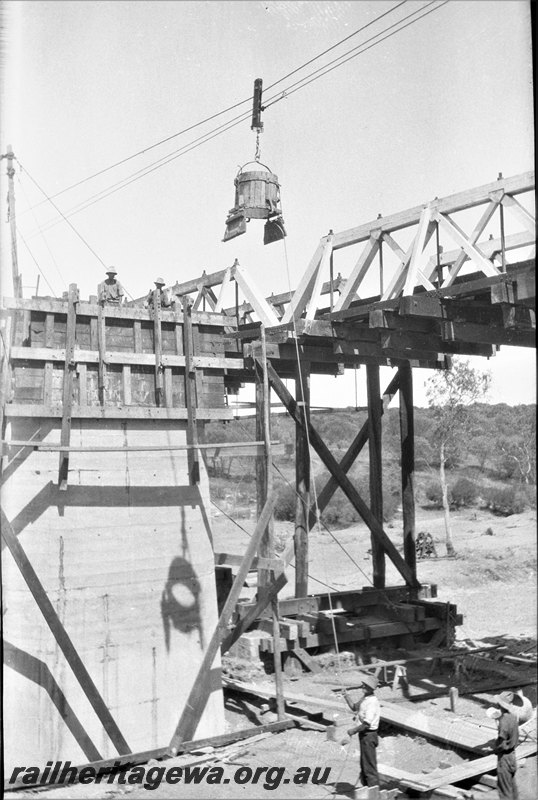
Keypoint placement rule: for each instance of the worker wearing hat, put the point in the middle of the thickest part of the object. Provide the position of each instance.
(163, 295)
(111, 290)
(368, 714)
(505, 746)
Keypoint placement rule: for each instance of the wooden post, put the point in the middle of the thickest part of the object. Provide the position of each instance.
(407, 438)
(268, 542)
(17, 279)
(376, 469)
(302, 481)
(264, 472)
(67, 397)
(101, 344)
(158, 347)
(5, 368)
(190, 392)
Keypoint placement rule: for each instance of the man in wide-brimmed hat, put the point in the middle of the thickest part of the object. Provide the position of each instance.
(505, 746)
(163, 295)
(368, 714)
(111, 290)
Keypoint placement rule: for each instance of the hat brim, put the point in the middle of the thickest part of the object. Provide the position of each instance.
(502, 703)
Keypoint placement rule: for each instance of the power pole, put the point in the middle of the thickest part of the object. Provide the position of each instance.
(17, 279)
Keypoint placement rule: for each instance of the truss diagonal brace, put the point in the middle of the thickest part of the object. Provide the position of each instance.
(340, 476)
(60, 634)
(352, 453)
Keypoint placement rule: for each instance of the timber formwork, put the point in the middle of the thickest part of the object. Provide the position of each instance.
(83, 380)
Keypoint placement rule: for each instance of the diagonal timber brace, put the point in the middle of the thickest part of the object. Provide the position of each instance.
(201, 689)
(343, 481)
(352, 454)
(60, 634)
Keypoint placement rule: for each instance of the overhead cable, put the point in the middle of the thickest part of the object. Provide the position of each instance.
(240, 118)
(226, 110)
(338, 62)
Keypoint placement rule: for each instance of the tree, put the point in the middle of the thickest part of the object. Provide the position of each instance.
(449, 394)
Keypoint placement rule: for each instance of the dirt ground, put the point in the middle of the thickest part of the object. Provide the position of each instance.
(493, 582)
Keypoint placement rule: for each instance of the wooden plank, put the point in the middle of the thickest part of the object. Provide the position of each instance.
(307, 659)
(47, 382)
(125, 312)
(469, 769)
(126, 379)
(302, 293)
(359, 271)
(347, 487)
(196, 702)
(375, 470)
(82, 371)
(13, 410)
(168, 389)
(262, 308)
(407, 449)
(61, 636)
(67, 398)
(486, 334)
(235, 560)
(122, 357)
(446, 205)
(54, 447)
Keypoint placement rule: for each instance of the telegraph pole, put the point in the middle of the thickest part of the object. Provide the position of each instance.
(17, 280)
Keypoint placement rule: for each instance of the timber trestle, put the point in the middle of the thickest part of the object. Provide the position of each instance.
(104, 483)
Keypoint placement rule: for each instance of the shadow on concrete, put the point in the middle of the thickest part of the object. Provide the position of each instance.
(38, 672)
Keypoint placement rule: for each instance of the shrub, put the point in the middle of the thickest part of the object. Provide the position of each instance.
(505, 501)
(285, 506)
(434, 494)
(464, 493)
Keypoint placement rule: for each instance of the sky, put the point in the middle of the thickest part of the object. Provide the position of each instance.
(437, 108)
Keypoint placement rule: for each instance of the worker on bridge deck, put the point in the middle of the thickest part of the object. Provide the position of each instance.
(368, 715)
(111, 290)
(164, 295)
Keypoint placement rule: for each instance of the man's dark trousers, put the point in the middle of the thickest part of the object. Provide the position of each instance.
(506, 776)
(368, 742)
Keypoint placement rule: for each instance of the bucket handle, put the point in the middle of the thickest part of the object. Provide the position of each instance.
(252, 162)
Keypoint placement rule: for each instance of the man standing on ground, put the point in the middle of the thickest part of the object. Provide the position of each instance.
(505, 747)
(111, 290)
(368, 718)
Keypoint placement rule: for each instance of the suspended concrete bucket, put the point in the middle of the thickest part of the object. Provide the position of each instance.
(257, 196)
